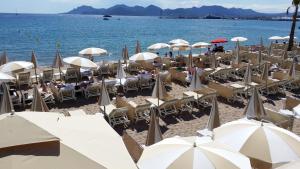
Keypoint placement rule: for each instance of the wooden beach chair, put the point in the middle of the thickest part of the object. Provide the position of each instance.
(115, 115)
(93, 90)
(229, 93)
(24, 79)
(131, 85)
(145, 83)
(165, 108)
(71, 74)
(185, 104)
(279, 119)
(48, 75)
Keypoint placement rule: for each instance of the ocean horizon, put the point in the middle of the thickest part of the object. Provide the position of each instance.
(43, 33)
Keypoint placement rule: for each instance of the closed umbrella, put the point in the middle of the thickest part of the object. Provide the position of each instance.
(125, 55)
(260, 51)
(292, 71)
(237, 56)
(38, 103)
(214, 119)
(255, 108)
(264, 143)
(190, 63)
(80, 62)
(104, 99)
(58, 63)
(34, 61)
(6, 102)
(15, 66)
(265, 74)
(144, 56)
(176, 41)
(4, 58)
(134, 149)
(270, 49)
(159, 90)
(248, 75)
(138, 47)
(120, 75)
(158, 46)
(5, 77)
(195, 83)
(191, 153)
(213, 59)
(154, 134)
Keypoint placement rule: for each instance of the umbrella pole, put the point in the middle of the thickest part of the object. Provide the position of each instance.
(59, 73)
(35, 75)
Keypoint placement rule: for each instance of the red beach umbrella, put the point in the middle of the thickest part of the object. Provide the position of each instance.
(219, 40)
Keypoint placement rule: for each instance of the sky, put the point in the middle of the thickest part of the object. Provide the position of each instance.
(59, 6)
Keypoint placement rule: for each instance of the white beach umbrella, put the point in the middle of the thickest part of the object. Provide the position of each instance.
(51, 140)
(180, 47)
(201, 45)
(175, 41)
(144, 56)
(158, 46)
(5, 77)
(276, 38)
(260, 141)
(80, 62)
(93, 51)
(191, 153)
(288, 37)
(15, 66)
(239, 39)
(291, 165)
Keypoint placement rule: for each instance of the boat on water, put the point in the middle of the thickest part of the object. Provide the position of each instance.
(106, 19)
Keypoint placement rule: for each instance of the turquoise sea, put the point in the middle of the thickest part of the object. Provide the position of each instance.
(22, 33)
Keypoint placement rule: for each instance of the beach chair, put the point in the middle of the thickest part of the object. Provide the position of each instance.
(24, 79)
(145, 83)
(67, 94)
(48, 75)
(93, 90)
(115, 115)
(16, 97)
(280, 119)
(104, 70)
(71, 74)
(229, 93)
(165, 108)
(133, 68)
(185, 104)
(141, 111)
(131, 85)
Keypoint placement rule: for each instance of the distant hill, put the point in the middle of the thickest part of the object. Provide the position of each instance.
(153, 10)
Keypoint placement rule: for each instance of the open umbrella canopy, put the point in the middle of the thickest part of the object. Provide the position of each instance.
(219, 40)
(80, 62)
(191, 153)
(201, 45)
(144, 56)
(93, 51)
(291, 165)
(38, 103)
(260, 141)
(288, 37)
(239, 39)
(51, 140)
(15, 66)
(180, 47)
(175, 41)
(158, 46)
(276, 38)
(5, 77)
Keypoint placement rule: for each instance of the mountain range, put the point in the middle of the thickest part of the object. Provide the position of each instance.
(153, 10)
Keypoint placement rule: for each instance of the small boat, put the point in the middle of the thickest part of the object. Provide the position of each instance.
(106, 19)
(107, 16)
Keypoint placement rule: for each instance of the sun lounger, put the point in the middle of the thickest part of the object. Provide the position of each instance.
(71, 74)
(104, 70)
(185, 104)
(141, 112)
(165, 108)
(115, 115)
(229, 93)
(93, 90)
(24, 79)
(48, 76)
(131, 85)
(63, 94)
(78, 112)
(145, 83)
(280, 118)
(133, 68)
(16, 98)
